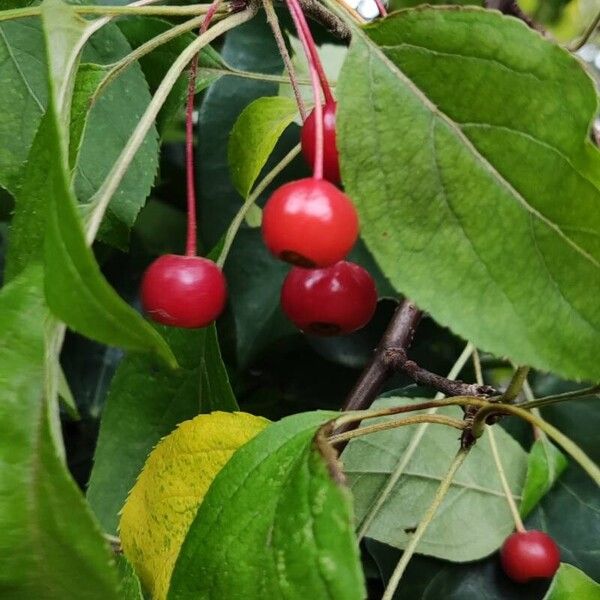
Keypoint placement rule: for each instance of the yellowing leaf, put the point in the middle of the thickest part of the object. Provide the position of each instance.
(170, 488)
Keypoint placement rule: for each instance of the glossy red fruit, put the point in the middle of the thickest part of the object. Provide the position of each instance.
(330, 301)
(529, 555)
(310, 223)
(183, 291)
(331, 160)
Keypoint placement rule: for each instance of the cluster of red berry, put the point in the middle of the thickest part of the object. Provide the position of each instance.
(309, 223)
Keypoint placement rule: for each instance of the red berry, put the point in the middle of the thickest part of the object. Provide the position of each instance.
(529, 555)
(330, 301)
(183, 291)
(331, 159)
(309, 223)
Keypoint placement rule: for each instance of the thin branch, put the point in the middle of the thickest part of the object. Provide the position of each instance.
(394, 424)
(397, 359)
(516, 384)
(587, 34)
(285, 55)
(258, 190)
(502, 475)
(113, 11)
(589, 392)
(104, 195)
(399, 334)
(428, 517)
(431, 406)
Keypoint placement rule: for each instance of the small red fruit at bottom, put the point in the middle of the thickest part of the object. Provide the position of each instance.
(331, 160)
(183, 291)
(310, 223)
(529, 555)
(330, 301)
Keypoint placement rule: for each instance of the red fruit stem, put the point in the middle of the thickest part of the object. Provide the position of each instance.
(382, 9)
(306, 39)
(302, 25)
(190, 247)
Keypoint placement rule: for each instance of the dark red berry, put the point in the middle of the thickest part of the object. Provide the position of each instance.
(183, 291)
(330, 301)
(309, 223)
(331, 160)
(529, 555)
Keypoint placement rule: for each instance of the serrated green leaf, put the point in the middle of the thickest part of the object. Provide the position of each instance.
(24, 95)
(570, 583)
(296, 539)
(475, 181)
(253, 138)
(75, 289)
(51, 547)
(111, 119)
(545, 464)
(476, 495)
(146, 402)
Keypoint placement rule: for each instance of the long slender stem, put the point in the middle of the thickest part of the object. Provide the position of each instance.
(553, 399)
(258, 190)
(114, 178)
(312, 49)
(167, 11)
(394, 424)
(308, 44)
(424, 524)
(587, 34)
(191, 245)
(285, 55)
(516, 384)
(502, 475)
(119, 67)
(412, 446)
(494, 447)
(114, 11)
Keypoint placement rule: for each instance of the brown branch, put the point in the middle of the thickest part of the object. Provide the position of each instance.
(397, 359)
(399, 334)
(316, 11)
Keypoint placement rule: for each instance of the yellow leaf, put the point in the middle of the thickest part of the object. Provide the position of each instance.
(164, 500)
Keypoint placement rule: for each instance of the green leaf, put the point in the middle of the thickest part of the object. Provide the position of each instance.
(569, 512)
(88, 78)
(569, 582)
(24, 95)
(75, 289)
(50, 545)
(253, 138)
(145, 403)
(108, 125)
(131, 588)
(476, 495)
(399, 4)
(544, 466)
(279, 518)
(471, 196)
